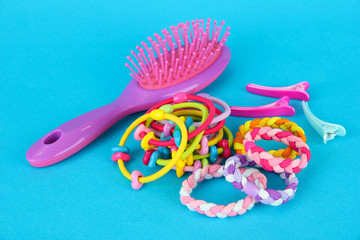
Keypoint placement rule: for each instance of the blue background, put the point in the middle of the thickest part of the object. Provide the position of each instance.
(59, 59)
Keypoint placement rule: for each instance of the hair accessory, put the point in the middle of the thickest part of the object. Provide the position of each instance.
(269, 162)
(278, 108)
(138, 179)
(267, 196)
(223, 115)
(160, 69)
(211, 209)
(201, 128)
(297, 91)
(204, 158)
(326, 130)
(274, 122)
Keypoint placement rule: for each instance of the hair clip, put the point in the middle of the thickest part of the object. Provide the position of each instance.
(279, 108)
(297, 91)
(327, 131)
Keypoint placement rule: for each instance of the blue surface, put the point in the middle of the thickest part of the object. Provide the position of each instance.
(59, 59)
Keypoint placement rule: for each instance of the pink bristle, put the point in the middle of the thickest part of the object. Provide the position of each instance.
(143, 69)
(151, 63)
(170, 75)
(178, 74)
(202, 23)
(157, 50)
(186, 46)
(195, 67)
(201, 64)
(214, 27)
(226, 34)
(181, 30)
(180, 33)
(136, 57)
(183, 63)
(166, 67)
(160, 77)
(209, 58)
(208, 29)
(222, 24)
(188, 27)
(145, 58)
(152, 54)
(203, 40)
(137, 78)
(160, 41)
(193, 26)
(201, 54)
(176, 63)
(192, 57)
(146, 47)
(172, 58)
(149, 80)
(128, 66)
(156, 70)
(172, 28)
(187, 70)
(167, 38)
(181, 55)
(197, 43)
(161, 60)
(191, 51)
(177, 51)
(142, 64)
(129, 58)
(208, 48)
(154, 44)
(166, 53)
(216, 34)
(195, 36)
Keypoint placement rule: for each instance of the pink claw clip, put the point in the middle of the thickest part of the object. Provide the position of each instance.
(279, 108)
(297, 91)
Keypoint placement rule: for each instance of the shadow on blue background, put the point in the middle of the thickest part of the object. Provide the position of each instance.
(58, 60)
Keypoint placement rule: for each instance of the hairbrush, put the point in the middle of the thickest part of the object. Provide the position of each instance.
(186, 59)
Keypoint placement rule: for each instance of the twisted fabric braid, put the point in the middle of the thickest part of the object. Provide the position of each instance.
(274, 122)
(267, 196)
(211, 209)
(276, 164)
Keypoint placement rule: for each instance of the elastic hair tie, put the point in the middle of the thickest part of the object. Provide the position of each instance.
(266, 196)
(211, 209)
(221, 103)
(157, 115)
(163, 162)
(274, 122)
(200, 129)
(276, 164)
(189, 112)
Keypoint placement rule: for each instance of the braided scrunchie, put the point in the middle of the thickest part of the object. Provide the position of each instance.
(211, 209)
(274, 122)
(267, 196)
(276, 164)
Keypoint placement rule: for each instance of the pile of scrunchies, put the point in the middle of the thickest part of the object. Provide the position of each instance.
(187, 133)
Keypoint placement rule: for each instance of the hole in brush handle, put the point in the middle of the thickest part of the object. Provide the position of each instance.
(53, 137)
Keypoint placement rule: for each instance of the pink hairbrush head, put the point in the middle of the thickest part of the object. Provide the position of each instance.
(185, 59)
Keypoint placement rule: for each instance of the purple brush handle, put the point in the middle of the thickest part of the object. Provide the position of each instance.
(74, 135)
